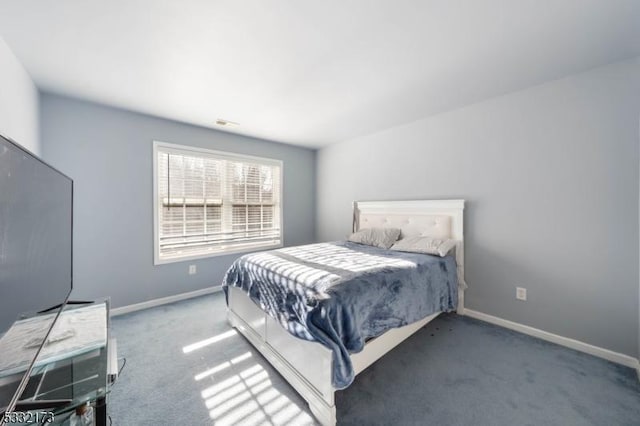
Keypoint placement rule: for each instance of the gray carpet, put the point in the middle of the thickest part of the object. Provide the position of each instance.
(186, 366)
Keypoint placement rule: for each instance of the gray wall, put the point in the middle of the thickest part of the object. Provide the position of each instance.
(551, 179)
(108, 153)
(18, 102)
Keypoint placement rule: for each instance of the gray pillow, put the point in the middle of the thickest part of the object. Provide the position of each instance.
(426, 245)
(377, 237)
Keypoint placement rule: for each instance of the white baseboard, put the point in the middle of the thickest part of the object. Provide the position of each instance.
(163, 301)
(607, 354)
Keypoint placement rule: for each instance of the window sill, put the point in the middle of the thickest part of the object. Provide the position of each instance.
(158, 261)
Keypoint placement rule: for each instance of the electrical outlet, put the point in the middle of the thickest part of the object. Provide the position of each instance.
(192, 269)
(521, 293)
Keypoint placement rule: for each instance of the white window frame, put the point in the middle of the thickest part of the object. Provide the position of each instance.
(157, 145)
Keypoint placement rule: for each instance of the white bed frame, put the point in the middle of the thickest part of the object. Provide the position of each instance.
(290, 355)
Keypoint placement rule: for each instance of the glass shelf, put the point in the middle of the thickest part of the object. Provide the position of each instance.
(72, 367)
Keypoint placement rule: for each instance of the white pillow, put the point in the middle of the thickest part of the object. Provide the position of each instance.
(377, 237)
(426, 245)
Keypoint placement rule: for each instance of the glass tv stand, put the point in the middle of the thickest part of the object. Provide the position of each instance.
(75, 369)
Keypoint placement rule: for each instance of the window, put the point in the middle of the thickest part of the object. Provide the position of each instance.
(209, 202)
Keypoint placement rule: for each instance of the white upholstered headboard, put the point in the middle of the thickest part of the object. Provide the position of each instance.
(433, 218)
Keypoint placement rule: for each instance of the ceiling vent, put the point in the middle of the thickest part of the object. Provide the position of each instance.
(226, 123)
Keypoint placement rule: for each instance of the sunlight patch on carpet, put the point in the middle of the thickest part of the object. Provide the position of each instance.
(249, 398)
(206, 342)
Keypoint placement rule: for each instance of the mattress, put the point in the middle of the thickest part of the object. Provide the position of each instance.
(341, 294)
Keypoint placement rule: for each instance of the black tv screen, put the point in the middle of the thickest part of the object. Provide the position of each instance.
(36, 210)
(36, 203)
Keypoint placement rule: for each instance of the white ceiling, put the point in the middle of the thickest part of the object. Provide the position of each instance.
(310, 73)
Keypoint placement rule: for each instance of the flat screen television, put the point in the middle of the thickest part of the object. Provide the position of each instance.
(36, 220)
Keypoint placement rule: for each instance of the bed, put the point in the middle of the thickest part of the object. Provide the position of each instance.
(306, 308)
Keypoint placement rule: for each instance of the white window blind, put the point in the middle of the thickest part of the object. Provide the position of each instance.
(209, 202)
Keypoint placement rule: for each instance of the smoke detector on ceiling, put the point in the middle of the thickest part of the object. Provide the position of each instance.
(226, 123)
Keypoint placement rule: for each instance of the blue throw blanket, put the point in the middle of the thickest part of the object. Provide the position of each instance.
(341, 294)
